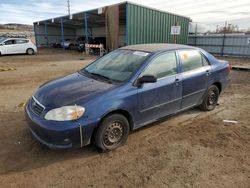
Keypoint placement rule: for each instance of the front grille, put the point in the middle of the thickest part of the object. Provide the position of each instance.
(36, 107)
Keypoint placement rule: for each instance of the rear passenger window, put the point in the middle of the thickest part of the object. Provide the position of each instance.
(21, 41)
(191, 59)
(162, 66)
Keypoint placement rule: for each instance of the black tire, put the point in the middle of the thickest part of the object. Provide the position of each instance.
(210, 99)
(112, 132)
(71, 47)
(30, 51)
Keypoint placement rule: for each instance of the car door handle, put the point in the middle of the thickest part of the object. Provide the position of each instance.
(177, 81)
(208, 72)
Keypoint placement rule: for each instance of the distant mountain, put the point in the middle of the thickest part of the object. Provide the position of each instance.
(16, 27)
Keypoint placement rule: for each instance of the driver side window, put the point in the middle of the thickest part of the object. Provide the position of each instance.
(9, 42)
(162, 66)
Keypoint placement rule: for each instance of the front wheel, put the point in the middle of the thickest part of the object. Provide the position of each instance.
(30, 51)
(112, 132)
(211, 99)
(71, 47)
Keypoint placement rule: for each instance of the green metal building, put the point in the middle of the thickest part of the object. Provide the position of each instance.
(146, 25)
(121, 24)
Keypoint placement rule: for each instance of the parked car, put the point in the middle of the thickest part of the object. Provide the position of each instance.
(68, 44)
(72, 44)
(122, 91)
(17, 46)
(56, 45)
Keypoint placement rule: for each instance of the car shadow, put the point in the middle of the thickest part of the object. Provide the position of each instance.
(19, 151)
(34, 155)
(13, 55)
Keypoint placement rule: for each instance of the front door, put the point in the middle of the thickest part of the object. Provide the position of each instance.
(8, 47)
(159, 99)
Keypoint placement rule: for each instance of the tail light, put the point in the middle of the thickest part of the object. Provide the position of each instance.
(33, 41)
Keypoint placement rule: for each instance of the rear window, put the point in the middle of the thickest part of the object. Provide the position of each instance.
(191, 59)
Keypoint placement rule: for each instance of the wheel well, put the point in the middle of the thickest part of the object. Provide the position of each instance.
(218, 85)
(125, 113)
(122, 112)
(29, 48)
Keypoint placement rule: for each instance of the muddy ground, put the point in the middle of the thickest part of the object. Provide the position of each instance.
(191, 149)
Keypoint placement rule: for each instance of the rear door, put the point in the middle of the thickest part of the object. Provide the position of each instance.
(158, 99)
(195, 75)
(21, 45)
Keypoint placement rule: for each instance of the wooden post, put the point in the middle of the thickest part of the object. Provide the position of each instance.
(175, 37)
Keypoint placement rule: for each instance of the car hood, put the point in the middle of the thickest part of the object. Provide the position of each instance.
(72, 89)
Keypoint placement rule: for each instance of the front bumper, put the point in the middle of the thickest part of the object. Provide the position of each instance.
(51, 146)
(58, 135)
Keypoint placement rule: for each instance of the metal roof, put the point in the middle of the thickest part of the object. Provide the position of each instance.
(157, 9)
(156, 47)
(121, 3)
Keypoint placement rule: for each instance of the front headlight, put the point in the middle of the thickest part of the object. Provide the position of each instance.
(65, 113)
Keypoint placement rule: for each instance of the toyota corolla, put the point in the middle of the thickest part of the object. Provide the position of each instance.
(123, 91)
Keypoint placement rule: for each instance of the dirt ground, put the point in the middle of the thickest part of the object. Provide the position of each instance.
(190, 149)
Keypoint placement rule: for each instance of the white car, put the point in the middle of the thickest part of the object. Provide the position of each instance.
(17, 46)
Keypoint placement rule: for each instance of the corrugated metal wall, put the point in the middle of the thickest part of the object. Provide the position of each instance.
(238, 45)
(145, 25)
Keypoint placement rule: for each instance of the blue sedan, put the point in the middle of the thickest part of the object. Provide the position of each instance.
(123, 91)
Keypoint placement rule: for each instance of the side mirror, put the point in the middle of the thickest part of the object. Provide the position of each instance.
(147, 79)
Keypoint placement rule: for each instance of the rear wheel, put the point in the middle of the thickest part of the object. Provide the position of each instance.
(112, 132)
(71, 47)
(30, 51)
(211, 98)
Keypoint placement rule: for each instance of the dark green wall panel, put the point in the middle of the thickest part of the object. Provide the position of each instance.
(145, 25)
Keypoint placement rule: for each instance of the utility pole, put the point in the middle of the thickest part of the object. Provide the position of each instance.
(223, 39)
(68, 2)
(195, 41)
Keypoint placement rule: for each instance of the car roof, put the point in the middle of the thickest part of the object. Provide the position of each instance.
(156, 47)
(15, 38)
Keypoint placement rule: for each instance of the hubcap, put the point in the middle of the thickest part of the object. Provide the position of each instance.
(30, 51)
(113, 134)
(212, 98)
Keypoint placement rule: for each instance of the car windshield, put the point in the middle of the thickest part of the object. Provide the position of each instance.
(118, 65)
(2, 39)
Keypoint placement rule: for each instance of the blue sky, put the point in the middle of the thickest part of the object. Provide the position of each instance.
(208, 12)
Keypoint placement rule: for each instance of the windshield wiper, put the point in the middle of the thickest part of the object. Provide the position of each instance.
(85, 71)
(96, 75)
(102, 76)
